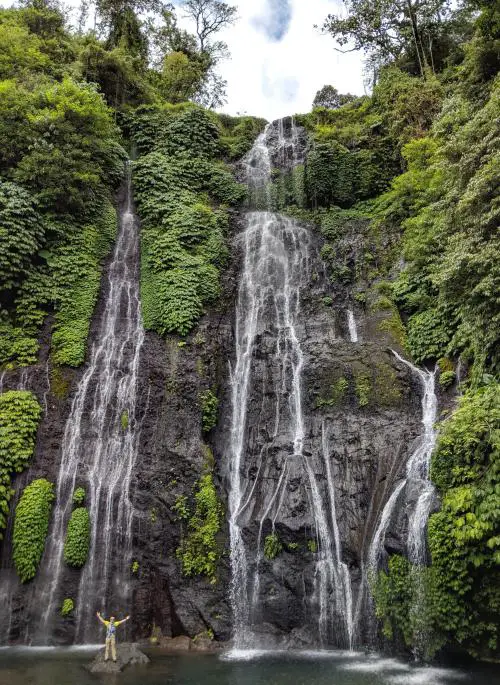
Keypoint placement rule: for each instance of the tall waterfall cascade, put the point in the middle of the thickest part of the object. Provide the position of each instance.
(277, 260)
(270, 461)
(99, 453)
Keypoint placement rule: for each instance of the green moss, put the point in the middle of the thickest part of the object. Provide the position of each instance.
(200, 550)
(446, 378)
(135, 567)
(445, 364)
(312, 546)
(209, 408)
(272, 546)
(124, 420)
(67, 607)
(395, 327)
(387, 390)
(31, 525)
(19, 417)
(59, 383)
(338, 390)
(404, 598)
(77, 543)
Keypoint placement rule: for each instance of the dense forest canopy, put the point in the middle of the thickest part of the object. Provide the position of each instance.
(414, 168)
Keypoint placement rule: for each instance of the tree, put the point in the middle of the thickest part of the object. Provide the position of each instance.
(210, 16)
(330, 98)
(389, 28)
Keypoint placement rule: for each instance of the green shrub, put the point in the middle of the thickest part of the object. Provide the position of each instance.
(79, 496)
(67, 607)
(209, 407)
(200, 550)
(463, 536)
(31, 525)
(404, 598)
(19, 417)
(272, 546)
(77, 543)
(447, 378)
(427, 336)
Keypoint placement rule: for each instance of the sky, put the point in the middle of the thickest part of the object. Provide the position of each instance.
(278, 59)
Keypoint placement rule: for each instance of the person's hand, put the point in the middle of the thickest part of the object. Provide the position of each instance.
(98, 613)
(128, 617)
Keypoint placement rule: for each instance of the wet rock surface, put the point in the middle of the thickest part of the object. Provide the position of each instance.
(127, 654)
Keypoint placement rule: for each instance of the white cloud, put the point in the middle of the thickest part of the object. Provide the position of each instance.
(272, 79)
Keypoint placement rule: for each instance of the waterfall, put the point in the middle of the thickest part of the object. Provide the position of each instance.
(276, 272)
(351, 322)
(332, 574)
(99, 450)
(416, 480)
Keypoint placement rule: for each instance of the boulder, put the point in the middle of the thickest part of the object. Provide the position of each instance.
(181, 643)
(127, 654)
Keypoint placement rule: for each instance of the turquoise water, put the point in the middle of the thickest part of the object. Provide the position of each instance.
(32, 666)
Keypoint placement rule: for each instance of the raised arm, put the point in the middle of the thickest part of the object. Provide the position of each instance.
(101, 619)
(117, 623)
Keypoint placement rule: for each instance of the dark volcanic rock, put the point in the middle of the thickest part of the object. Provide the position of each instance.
(127, 654)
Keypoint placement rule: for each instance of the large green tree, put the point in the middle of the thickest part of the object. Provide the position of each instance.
(389, 28)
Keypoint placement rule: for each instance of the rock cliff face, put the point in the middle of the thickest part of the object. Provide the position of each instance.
(310, 494)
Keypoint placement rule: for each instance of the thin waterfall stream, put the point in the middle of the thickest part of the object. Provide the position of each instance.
(99, 450)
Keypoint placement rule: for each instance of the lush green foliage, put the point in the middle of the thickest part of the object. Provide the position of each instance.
(76, 545)
(464, 536)
(238, 135)
(405, 599)
(183, 238)
(67, 607)
(446, 203)
(209, 407)
(60, 160)
(200, 550)
(19, 416)
(457, 595)
(67, 279)
(21, 233)
(31, 525)
(272, 546)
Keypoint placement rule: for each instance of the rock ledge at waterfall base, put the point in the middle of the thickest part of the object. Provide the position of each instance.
(128, 654)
